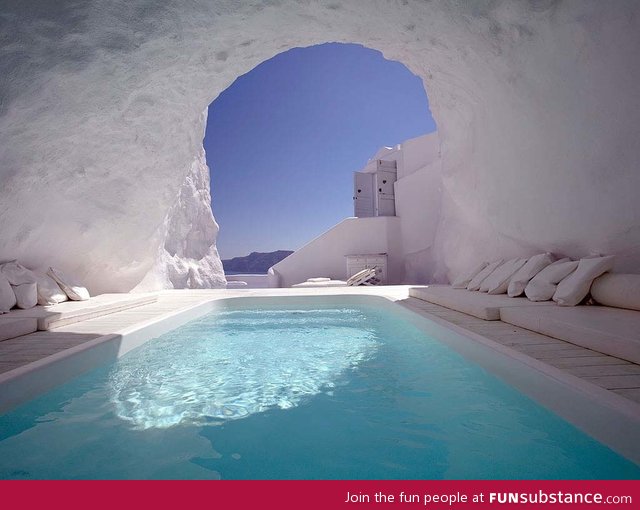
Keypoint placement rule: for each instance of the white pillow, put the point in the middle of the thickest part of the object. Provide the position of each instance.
(543, 285)
(533, 266)
(16, 273)
(49, 293)
(72, 289)
(7, 297)
(462, 281)
(619, 290)
(498, 281)
(575, 287)
(26, 295)
(476, 281)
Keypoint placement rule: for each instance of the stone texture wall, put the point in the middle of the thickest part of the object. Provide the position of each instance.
(101, 124)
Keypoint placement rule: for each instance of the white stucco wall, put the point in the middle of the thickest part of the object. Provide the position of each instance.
(101, 124)
(324, 256)
(418, 206)
(417, 153)
(418, 192)
(407, 238)
(253, 281)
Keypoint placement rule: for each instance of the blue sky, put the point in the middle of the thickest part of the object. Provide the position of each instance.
(284, 140)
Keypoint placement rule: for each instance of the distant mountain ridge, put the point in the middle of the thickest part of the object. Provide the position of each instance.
(255, 262)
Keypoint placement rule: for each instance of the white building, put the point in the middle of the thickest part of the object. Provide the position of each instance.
(396, 216)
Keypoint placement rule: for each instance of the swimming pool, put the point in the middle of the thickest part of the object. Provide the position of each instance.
(301, 389)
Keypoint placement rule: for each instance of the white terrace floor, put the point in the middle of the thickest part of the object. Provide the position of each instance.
(594, 368)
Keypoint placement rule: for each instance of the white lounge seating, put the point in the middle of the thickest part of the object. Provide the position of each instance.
(69, 312)
(364, 277)
(236, 284)
(612, 331)
(328, 283)
(479, 304)
(12, 327)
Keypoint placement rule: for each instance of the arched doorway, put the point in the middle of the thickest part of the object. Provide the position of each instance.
(284, 140)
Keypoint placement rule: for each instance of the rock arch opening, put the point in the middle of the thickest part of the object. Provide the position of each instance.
(283, 141)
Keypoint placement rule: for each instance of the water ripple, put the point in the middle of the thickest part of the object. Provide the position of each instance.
(231, 365)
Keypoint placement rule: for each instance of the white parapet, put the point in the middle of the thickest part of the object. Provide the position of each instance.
(325, 256)
(251, 281)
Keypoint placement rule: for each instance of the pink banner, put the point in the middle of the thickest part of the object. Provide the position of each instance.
(310, 495)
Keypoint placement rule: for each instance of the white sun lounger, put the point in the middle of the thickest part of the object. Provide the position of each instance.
(364, 277)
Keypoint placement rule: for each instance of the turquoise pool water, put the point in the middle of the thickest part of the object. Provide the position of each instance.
(308, 393)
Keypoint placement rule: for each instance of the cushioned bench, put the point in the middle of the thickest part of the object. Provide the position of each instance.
(328, 283)
(11, 327)
(478, 304)
(69, 312)
(612, 331)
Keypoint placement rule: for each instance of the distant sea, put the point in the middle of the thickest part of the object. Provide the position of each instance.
(254, 263)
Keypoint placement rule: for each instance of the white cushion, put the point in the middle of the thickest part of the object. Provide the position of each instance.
(477, 304)
(477, 280)
(619, 290)
(71, 288)
(26, 295)
(330, 283)
(49, 292)
(604, 329)
(533, 266)
(498, 281)
(231, 284)
(7, 297)
(463, 280)
(543, 285)
(13, 327)
(575, 287)
(16, 273)
(319, 279)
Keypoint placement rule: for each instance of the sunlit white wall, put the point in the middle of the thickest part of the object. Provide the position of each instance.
(101, 124)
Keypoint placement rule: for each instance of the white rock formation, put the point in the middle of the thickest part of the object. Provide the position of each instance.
(101, 124)
(187, 257)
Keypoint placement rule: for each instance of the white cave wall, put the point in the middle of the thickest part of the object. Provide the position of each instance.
(101, 124)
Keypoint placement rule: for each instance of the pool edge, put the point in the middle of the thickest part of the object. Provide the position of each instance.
(576, 397)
